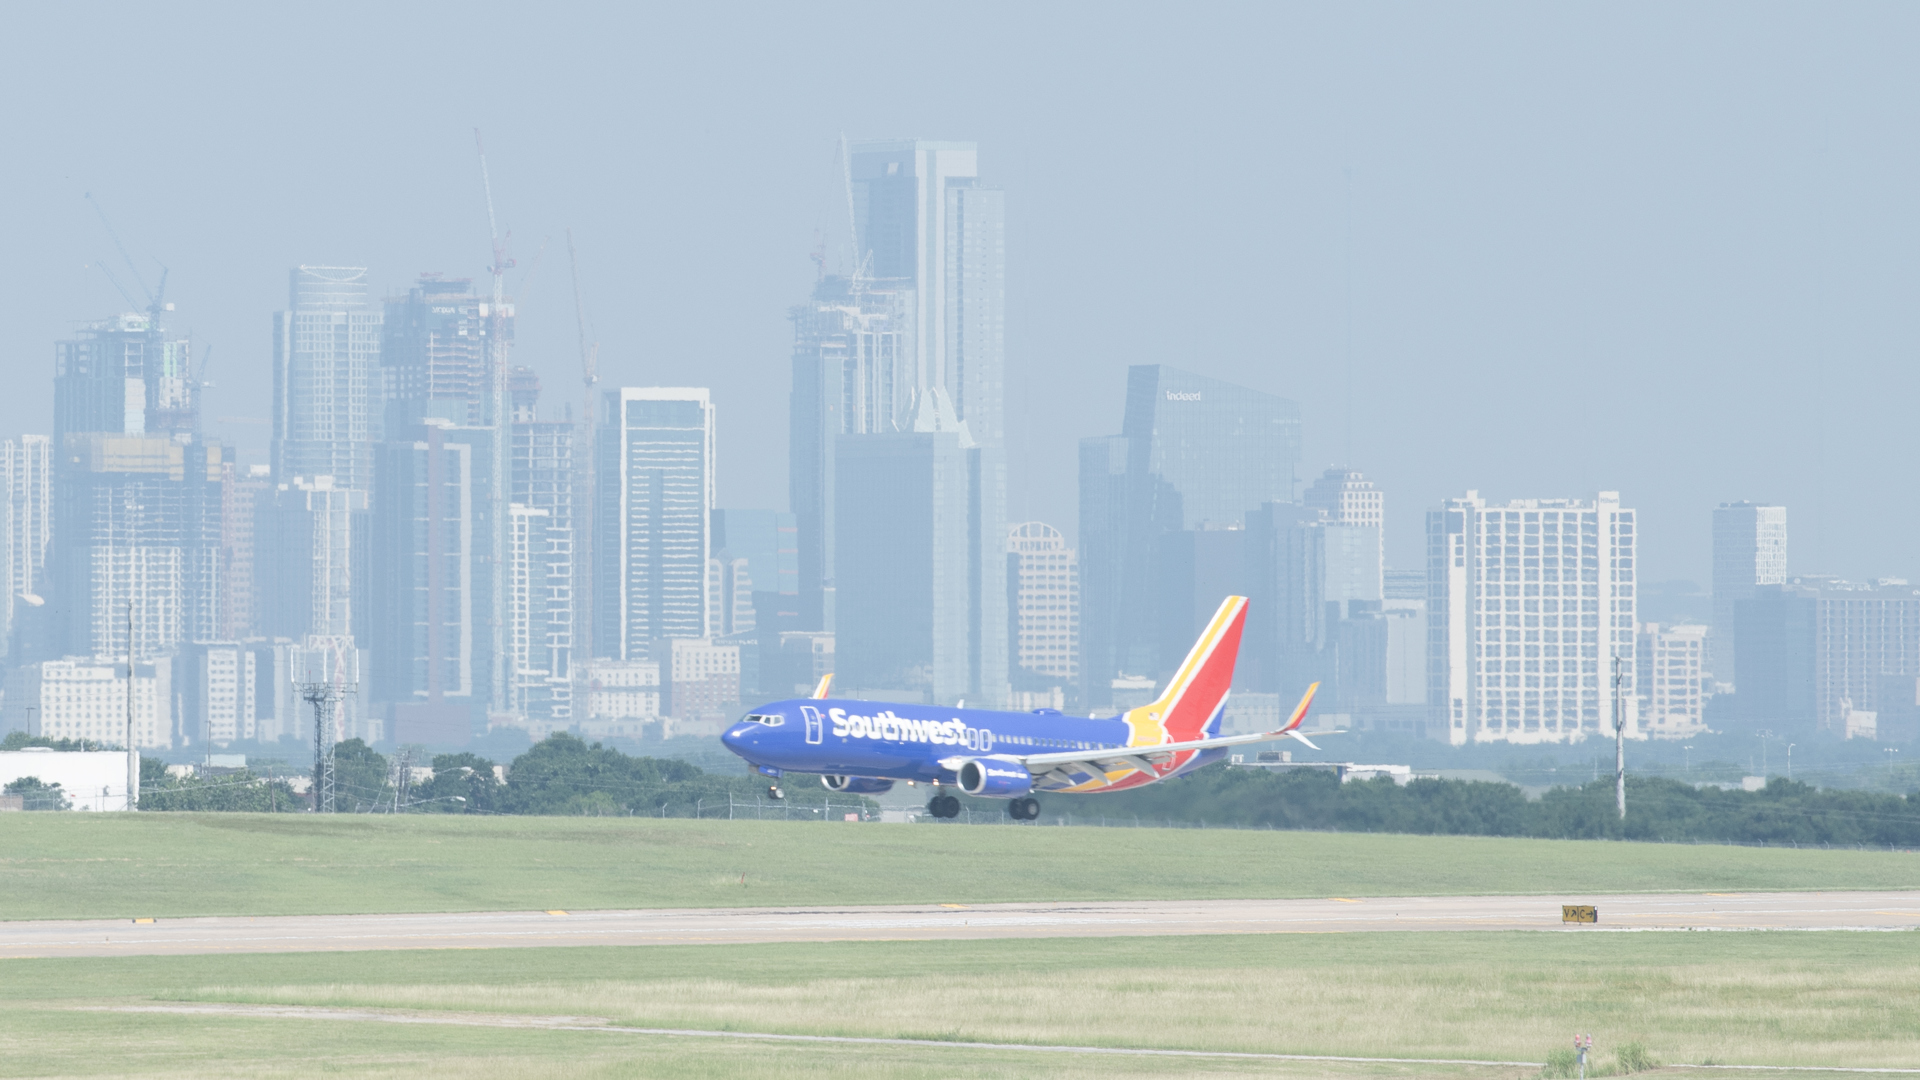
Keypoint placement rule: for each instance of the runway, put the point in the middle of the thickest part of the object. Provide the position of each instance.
(954, 922)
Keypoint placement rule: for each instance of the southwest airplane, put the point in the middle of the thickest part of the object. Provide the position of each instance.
(863, 747)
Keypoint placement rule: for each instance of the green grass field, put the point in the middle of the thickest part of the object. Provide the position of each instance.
(110, 865)
(1789, 998)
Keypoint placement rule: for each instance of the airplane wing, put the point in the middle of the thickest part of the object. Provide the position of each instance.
(1099, 762)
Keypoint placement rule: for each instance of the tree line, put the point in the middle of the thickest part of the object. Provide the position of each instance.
(1783, 812)
(562, 774)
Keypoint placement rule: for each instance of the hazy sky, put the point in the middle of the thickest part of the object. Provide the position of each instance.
(1671, 249)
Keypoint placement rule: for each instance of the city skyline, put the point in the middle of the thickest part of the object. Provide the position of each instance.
(1463, 258)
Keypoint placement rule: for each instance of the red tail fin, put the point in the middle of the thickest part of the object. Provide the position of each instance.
(1201, 683)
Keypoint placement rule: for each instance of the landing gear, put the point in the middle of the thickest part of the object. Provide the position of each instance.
(944, 806)
(1023, 809)
(774, 792)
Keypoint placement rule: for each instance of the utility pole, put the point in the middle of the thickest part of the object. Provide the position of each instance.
(1619, 742)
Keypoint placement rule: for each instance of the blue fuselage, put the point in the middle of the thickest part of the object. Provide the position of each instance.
(839, 737)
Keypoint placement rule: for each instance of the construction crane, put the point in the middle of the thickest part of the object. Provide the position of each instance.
(589, 351)
(496, 322)
(584, 458)
(501, 261)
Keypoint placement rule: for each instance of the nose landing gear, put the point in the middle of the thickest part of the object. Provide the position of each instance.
(774, 792)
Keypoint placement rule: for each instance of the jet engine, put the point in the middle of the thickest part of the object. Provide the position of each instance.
(991, 778)
(857, 785)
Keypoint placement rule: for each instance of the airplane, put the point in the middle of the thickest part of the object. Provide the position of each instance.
(865, 747)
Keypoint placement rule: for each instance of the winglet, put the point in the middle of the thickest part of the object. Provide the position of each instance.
(826, 683)
(1300, 710)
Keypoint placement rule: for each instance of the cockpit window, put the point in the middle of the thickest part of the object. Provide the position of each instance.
(769, 719)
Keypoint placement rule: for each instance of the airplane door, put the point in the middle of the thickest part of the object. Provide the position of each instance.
(812, 716)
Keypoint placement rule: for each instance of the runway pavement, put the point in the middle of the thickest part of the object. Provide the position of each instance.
(953, 922)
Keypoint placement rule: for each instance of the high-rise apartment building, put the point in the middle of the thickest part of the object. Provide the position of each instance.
(1749, 551)
(654, 494)
(1823, 655)
(26, 469)
(1671, 663)
(124, 376)
(1043, 580)
(327, 379)
(26, 473)
(1529, 606)
(243, 497)
(435, 344)
(138, 522)
(542, 557)
(1194, 455)
(754, 575)
(431, 544)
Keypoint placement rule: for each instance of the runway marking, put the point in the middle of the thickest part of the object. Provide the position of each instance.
(1344, 900)
(956, 907)
(578, 1023)
(556, 913)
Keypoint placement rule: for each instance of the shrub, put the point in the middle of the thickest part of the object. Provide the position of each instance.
(1634, 1058)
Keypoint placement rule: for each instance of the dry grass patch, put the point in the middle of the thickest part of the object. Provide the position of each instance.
(1799, 999)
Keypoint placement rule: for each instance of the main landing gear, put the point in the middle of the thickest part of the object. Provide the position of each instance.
(1023, 809)
(943, 806)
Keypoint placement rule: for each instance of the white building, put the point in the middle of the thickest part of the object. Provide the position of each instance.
(1749, 550)
(215, 684)
(1671, 669)
(89, 780)
(1047, 599)
(700, 676)
(622, 690)
(87, 699)
(1530, 604)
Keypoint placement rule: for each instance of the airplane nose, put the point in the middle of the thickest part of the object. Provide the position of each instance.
(735, 737)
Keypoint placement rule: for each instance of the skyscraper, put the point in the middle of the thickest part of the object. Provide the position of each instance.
(903, 560)
(654, 495)
(1749, 550)
(1529, 604)
(922, 218)
(26, 468)
(542, 535)
(444, 351)
(327, 379)
(311, 546)
(136, 500)
(138, 523)
(434, 349)
(1043, 581)
(26, 473)
(852, 375)
(432, 595)
(124, 376)
(1194, 454)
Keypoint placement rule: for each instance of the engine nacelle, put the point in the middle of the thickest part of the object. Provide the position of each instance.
(994, 778)
(857, 785)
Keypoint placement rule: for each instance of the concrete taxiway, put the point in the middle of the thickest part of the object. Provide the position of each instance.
(953, 922)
